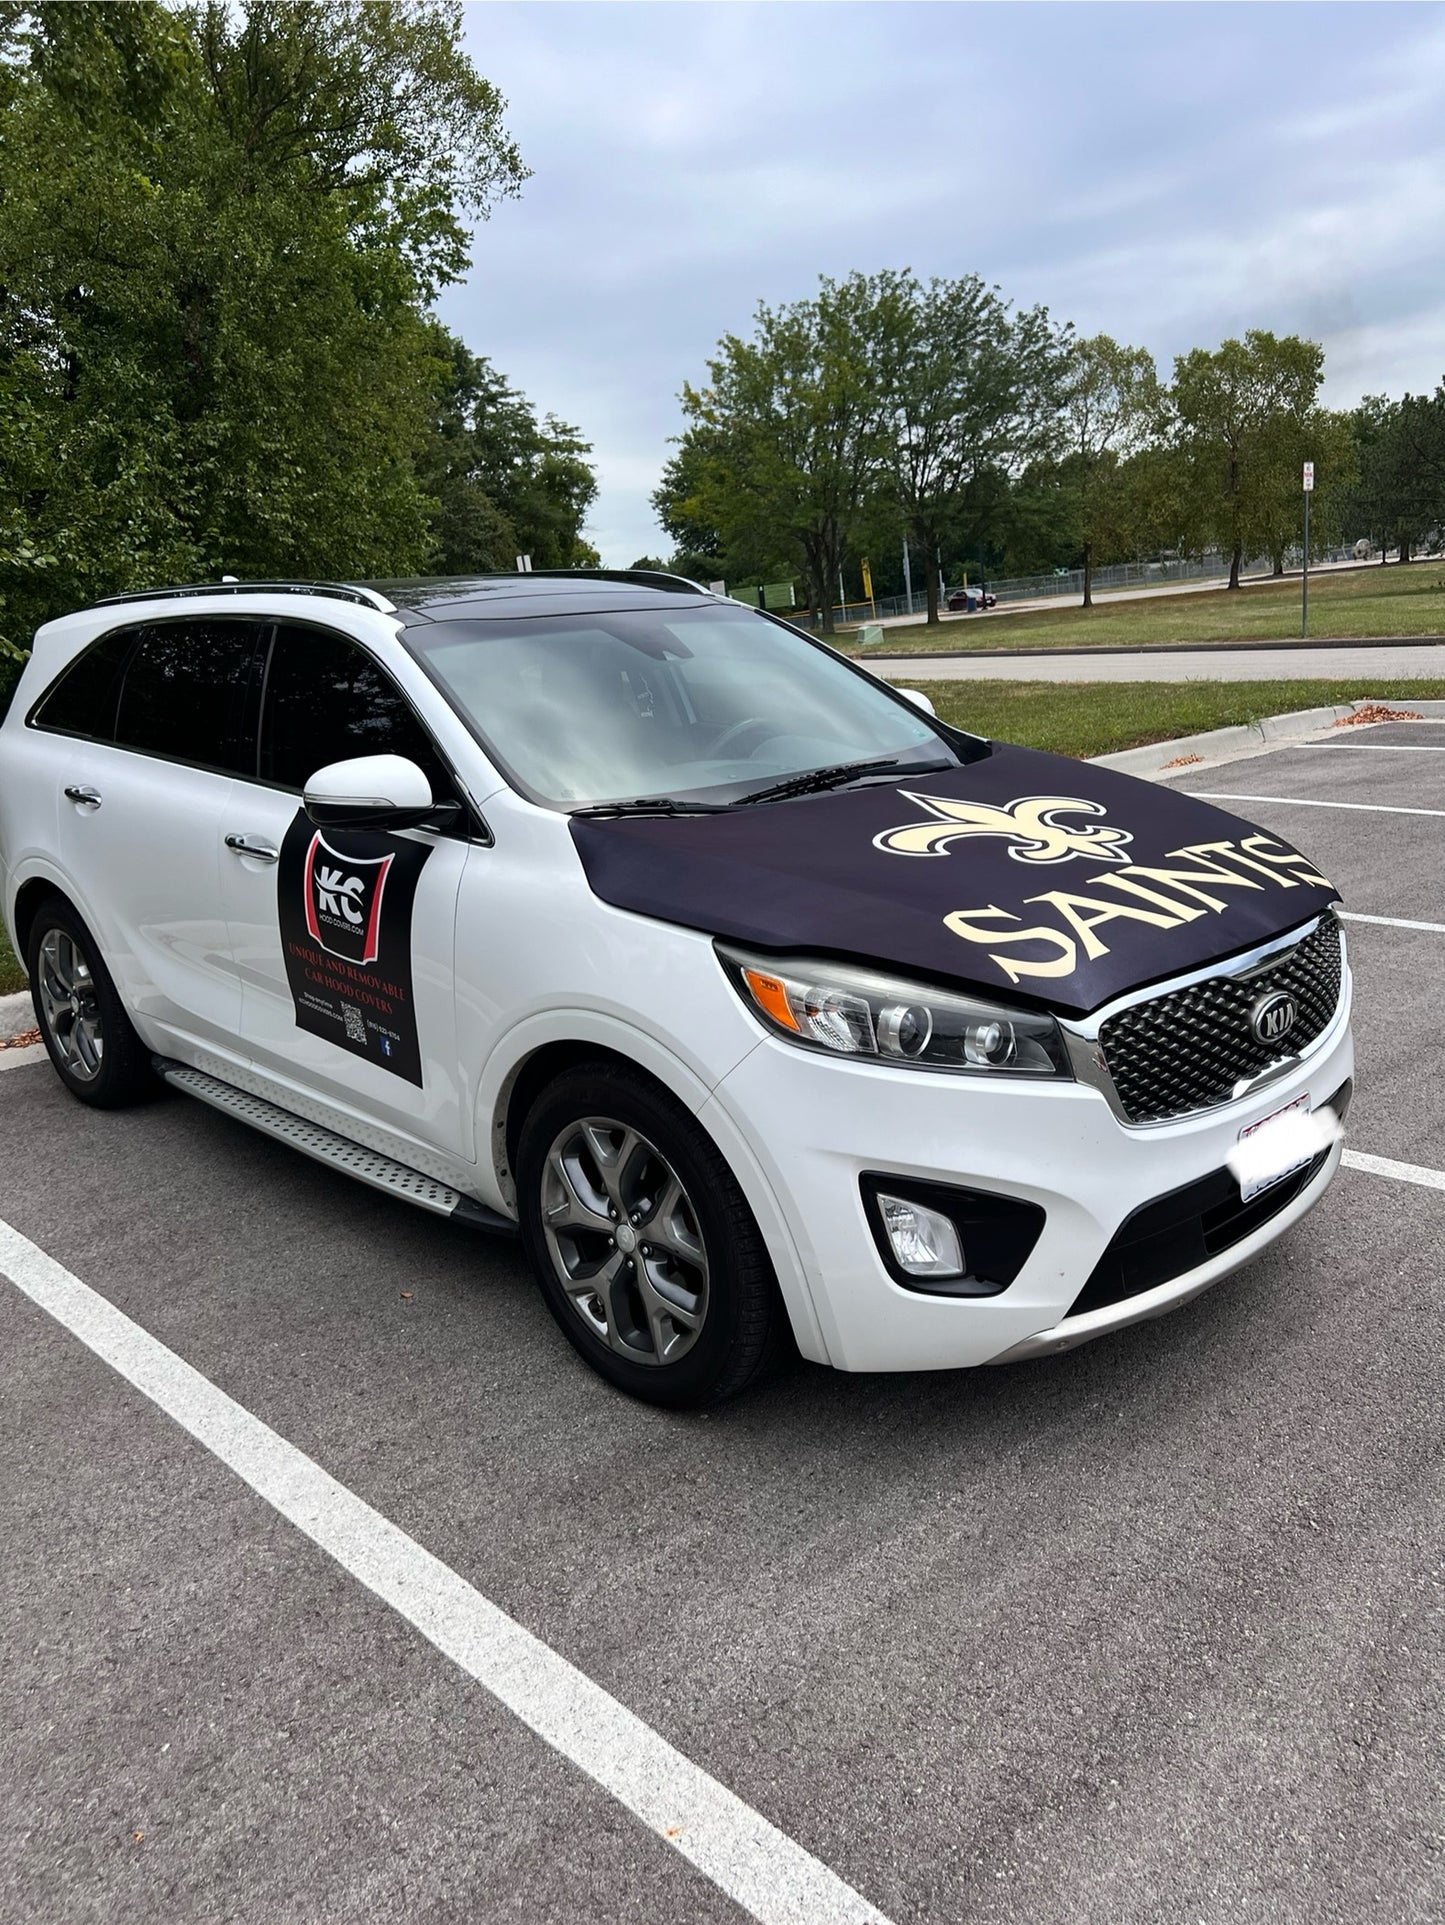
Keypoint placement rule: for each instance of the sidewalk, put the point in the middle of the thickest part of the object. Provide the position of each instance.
(1381, 661)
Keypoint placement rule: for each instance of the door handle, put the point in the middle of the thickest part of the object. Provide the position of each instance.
(253, 846)
(82, 794)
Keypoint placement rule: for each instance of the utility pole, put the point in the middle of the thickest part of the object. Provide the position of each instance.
(1304, 596)
(907, 576)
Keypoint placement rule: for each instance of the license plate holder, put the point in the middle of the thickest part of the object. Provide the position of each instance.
(1253, 1189)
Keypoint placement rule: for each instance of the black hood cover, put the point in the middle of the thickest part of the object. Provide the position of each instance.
(1056, 882)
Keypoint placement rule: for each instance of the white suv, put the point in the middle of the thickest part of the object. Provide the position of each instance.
(759, 1000)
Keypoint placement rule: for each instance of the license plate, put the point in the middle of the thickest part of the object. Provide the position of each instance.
(1277, 1146)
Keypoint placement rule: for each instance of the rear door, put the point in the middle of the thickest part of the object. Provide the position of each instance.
(344, 943)
(155, 721)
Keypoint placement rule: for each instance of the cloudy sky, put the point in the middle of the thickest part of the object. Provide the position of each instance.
(1167, 174)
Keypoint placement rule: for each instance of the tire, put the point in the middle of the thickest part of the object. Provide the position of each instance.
(83, 1024)
(692, 1314)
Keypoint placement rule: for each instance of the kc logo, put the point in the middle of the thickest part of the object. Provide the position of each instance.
(1030, 826)
(337, 893)
(343, 901)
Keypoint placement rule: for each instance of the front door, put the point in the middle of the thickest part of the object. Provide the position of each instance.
(344, 943)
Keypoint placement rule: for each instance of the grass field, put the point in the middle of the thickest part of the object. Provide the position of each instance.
(1398, 600)
(1097, 718)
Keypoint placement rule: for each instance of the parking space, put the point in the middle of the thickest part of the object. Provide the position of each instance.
(1149, 1631)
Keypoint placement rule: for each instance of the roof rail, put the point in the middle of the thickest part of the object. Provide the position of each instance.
(335, 591)
(643, 577)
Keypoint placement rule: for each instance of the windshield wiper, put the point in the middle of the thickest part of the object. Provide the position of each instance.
(650, 805)
(814, 781)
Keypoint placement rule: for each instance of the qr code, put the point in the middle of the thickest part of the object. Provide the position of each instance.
(355, 1023)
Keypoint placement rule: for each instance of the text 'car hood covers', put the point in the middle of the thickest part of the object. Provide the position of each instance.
(1051, 881)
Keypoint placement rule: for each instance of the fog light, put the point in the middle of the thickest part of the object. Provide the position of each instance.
(924, 1242)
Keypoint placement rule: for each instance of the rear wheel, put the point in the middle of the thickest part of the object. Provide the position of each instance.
(91, 1042)
(644, 1246)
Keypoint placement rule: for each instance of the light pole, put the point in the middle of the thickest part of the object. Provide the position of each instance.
(1304, 595)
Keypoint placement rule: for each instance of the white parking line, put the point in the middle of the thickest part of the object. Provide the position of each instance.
(1401, 1172)
(1391, 922)
(749, 1859)
(1389, 748)
(1302, 802)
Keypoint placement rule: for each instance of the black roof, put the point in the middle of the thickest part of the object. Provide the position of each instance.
(542, 591)
(429, 598)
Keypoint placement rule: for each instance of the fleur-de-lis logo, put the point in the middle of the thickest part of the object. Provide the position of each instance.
(1031, 827)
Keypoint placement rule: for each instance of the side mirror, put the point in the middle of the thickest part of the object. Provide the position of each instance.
(919, 700)
(372, 792)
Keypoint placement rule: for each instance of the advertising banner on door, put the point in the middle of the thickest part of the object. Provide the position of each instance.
(345, 907)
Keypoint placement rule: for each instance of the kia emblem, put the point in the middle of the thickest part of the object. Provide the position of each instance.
(1273, 1017)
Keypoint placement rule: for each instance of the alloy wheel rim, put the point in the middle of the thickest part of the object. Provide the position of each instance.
(69, 1005)
(625, 1241)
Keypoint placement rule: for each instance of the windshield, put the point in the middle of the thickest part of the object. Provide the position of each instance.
(710, 703)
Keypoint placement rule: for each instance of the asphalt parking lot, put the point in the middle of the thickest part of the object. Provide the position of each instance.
(1151, 1631)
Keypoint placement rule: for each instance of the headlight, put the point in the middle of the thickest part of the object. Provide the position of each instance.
(848, 1011)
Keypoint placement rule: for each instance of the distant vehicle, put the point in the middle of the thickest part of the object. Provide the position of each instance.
(967, 601)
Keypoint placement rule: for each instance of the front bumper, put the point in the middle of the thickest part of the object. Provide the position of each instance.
(816, 1126)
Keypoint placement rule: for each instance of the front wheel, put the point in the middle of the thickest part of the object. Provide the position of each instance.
(643, 1244)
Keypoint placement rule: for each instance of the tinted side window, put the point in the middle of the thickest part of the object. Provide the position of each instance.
(82, 702)
(327, 700)
(184, 693)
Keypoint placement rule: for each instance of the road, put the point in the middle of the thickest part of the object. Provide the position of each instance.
(1147, 1633)
(1285, 663)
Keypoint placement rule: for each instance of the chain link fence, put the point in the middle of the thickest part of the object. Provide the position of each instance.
(1070, 582)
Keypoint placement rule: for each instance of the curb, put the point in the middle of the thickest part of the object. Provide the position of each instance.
(1245, 738)
(17, 1012)
(1150, 648)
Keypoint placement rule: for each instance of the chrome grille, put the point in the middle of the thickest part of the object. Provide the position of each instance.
(1187, 1049)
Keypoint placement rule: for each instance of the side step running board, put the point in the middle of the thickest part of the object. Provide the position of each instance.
(338, 1152)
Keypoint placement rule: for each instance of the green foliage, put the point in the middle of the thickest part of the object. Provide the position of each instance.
(682, 502)
(1112, 407)
(1247, 417)
(968, 392)
(219, 229)
(1399, 496)
(879, 407)
(12, 976)
(503, 483)
(785, 442)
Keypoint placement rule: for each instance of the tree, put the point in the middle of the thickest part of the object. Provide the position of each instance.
(686, 503)
(1112, 405)
(1400, 448)
(1275, 521)
(968, 387)
(219, 230)
(1234, 410)
(785, 441)
(503, 483)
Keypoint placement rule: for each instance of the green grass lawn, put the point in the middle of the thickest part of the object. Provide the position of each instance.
(1408, 600)
(1096, 718)
(12, 976)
